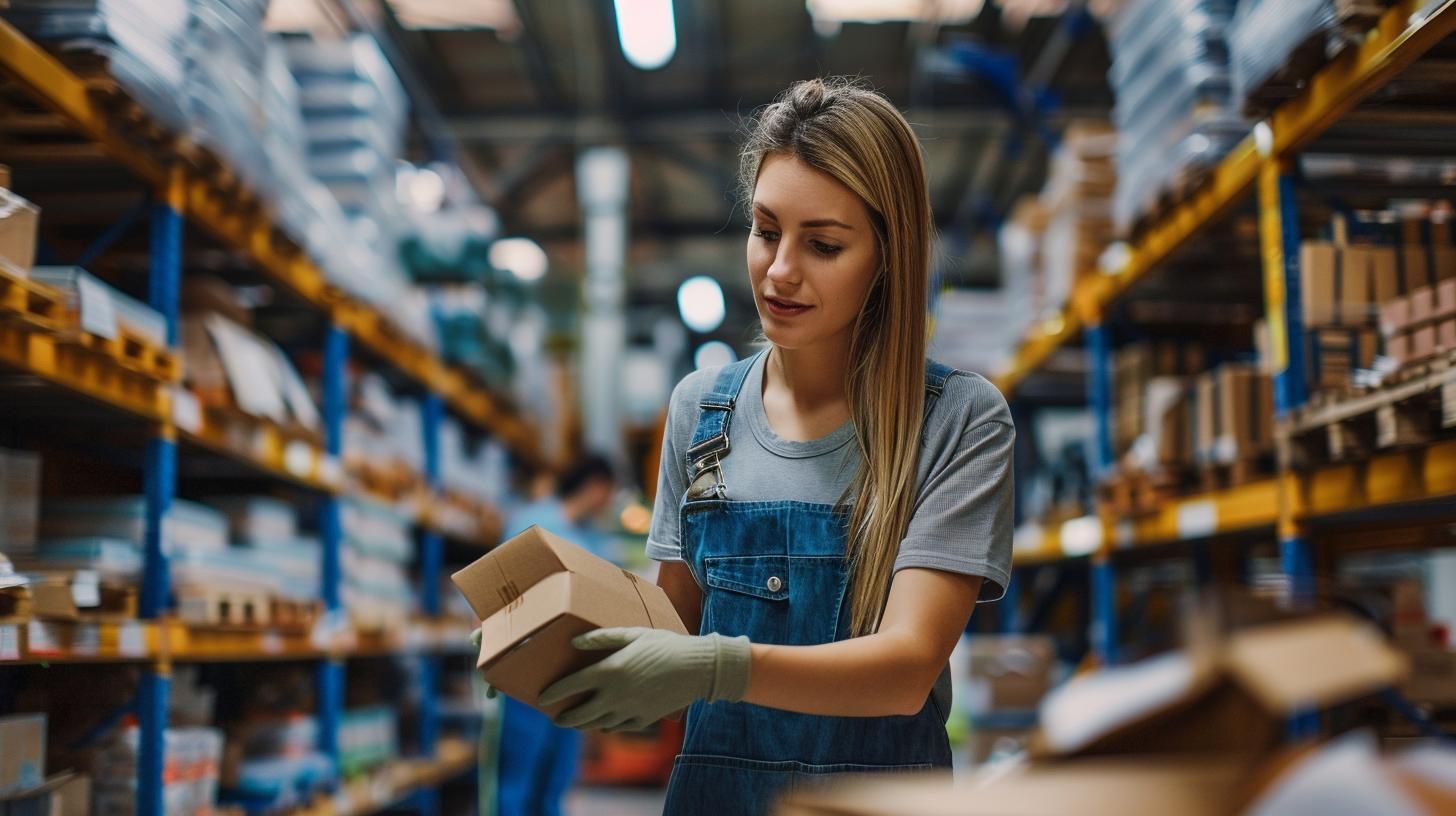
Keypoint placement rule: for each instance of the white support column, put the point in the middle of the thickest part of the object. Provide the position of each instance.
(602, 176)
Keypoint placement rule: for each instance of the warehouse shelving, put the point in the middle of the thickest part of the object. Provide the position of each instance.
(1302, 498)
(194, 194)
(173, 641)
(190, 187)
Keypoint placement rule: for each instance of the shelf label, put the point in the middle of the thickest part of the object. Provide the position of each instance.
(86, 589)
(43, 638)
(10, 642)
(132, 640)
(186, 410)
(1197, 519)
(87, 640)
(298, 458)
(98, 313)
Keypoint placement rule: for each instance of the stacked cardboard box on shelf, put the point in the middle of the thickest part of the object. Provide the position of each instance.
(1420, 325)
(1234, 420)
(1149, 381)
(1077, 201)
(25, 789)
(19, 220)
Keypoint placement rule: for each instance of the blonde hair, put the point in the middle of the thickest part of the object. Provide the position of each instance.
(858, 137)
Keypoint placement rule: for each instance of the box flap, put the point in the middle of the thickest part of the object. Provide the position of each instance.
(1313, 663)
(502, 575)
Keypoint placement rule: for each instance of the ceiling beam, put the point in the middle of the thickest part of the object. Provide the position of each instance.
(538, 66)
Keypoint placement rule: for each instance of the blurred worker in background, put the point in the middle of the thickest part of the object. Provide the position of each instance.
(539, 760)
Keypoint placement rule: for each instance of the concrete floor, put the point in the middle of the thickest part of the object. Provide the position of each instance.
(615, 802)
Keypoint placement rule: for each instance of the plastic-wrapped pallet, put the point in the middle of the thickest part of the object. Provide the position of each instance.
(224, 49)
(1078, 199)
(378, 546)
(100, 309)
(1175, 112)
(138, 43)
(189, 526)
(1267, 34)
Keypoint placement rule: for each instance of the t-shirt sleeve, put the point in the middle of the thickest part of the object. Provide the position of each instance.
(963, 518)
(662, 539)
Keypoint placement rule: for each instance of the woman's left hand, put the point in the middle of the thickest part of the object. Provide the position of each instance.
(652, 674)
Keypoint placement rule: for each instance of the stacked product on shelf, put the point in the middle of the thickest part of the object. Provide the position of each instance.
(1150, 406)
(384, 442)
(136, 43)
(1078, 203)
(224, 49)
(474, 479)
(272, 764)
(1275, 44)
(1232, 423)
(1009, 676)
(100, 309)
(267, 568)
(378, 548)
(1176, 115)
(106, 535)
(19, 220)
(231, 368)
(1419, 323)
(368, 738)
(193, 758)
(26, 789)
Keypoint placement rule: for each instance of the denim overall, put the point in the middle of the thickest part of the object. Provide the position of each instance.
(776, 572)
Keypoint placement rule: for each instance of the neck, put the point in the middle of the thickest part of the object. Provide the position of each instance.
(812, 377)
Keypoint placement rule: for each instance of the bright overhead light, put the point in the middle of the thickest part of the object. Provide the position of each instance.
(521, 257)
(647, 30)
(453, 15)
(714, 354)
(700, 302)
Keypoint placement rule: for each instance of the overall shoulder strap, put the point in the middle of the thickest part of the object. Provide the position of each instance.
(716, 410)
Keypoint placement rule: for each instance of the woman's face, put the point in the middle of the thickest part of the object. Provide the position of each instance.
(812, 254)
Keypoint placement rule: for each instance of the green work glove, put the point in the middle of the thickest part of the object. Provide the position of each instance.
(490, 691)
(653, 674)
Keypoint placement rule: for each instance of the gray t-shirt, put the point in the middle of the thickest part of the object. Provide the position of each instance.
(964, 491)
(963, 507)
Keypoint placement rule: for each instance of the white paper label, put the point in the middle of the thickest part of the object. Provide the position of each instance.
(132, 640)
(98, 314)
(186, 410)
(298, 458)
(87, 641)
(86, 589)
(10, 642)
(272, 643)
(1197, 519)
(43, 639)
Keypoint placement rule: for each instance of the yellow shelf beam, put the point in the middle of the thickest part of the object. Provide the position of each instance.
(1382, 482)
(251, 231)
(1241, 509)
(1398, 40)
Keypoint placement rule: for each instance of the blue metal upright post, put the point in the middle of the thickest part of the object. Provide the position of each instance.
(330, 680)
(432, 558)
(1099, 397)
(1011, 602)
(1104, 610)
(164, 285)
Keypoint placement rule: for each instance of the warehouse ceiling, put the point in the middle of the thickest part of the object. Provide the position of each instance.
(522, 101)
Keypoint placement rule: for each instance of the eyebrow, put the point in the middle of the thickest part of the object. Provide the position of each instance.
(816, 222)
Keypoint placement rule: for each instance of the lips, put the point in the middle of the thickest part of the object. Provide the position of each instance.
(783, 307)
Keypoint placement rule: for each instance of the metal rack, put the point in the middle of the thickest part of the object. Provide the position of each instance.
(1294, 503)
(182, 195)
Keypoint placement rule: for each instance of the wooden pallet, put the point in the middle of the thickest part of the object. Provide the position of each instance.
(1408, 413)
(29, 304)
(132, 352)
(225, 606)
(1138, 494)
(294, 615)
(1225, 475)
(1354, 18)
(14, 604)
(52, 596)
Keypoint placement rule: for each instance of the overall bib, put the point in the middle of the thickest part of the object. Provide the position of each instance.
(776, 572)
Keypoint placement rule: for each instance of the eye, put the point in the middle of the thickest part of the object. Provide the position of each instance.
(765, 234)
(827, 250)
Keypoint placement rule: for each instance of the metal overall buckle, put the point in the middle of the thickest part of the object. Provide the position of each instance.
(707, 480)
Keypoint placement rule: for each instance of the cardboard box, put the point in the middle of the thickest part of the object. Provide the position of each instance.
(22, 752)
(1446, 335)
(1385, 279)
(1009, 673)
(67, 794)
(1334, 284)
(1422, 306)
(19, 220)
(1245, 413)
(1423, 342)
(1395, 316)
(4, 177)
(1445, 299)
(535, 593)
(1398, 348)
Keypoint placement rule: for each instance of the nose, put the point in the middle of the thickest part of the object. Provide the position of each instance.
(783, 269)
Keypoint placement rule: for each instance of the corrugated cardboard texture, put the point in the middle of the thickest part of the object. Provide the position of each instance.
(537, 592)
(1202, 786)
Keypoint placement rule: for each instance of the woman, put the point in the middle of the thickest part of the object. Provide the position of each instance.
(829, 509)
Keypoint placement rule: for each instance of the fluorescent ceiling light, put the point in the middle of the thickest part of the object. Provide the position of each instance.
(950, 12)
(521, 257)
(700, 301)
(647, 30)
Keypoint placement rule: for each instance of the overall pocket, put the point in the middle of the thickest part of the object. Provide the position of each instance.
(777, 599)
